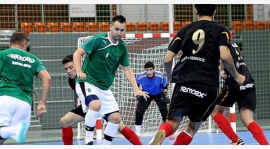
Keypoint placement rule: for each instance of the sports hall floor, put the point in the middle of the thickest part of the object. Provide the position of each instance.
(199, 139)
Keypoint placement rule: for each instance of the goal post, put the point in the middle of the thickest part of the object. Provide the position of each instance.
(144, 47)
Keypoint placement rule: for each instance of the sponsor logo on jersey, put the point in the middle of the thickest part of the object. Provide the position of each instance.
(192, 91)
(107, 55)
(21, 58)
(244, 87)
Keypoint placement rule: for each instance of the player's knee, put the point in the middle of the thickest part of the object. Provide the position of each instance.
(114, 117)
(64, 122)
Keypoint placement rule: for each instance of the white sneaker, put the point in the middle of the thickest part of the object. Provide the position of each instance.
(20, 134)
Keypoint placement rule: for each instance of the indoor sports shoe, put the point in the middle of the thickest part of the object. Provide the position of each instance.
(20, 134)
(239, 142)
(158, 138)
(90, 143)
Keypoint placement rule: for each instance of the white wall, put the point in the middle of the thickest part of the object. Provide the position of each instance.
(261, 12)
(144, 12)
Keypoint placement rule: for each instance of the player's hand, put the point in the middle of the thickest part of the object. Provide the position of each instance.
(41, 109)
(138, 93)
(165, 98)
(240, 79)
(222, 74)
(81, 75)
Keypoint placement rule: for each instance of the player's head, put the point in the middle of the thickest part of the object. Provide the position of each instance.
(69, 66)
(205, 10)
(117, 27)
(18, 40)
(149, 68)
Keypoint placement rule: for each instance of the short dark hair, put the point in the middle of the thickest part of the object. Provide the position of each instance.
(149, 64)
(18, 37)
(205, 9)
(67, 59)
(119, 18)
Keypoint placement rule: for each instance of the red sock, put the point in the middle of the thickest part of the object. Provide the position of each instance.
(183, 139)
(167, 127)
(131, 136)
(67, 135)
(257, 133)
(225, 126)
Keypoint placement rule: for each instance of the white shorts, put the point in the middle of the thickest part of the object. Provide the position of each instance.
(106, 98)
(14, 111)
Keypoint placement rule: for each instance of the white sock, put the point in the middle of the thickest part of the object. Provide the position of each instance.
(138, 129)
(6, 132)
(90, 121)
(110, 130)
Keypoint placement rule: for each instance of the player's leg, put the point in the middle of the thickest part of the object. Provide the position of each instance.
(186, 136)
(173, 119)
(140, 110)
(129, 134)
(110, 110)
(247, 105)
(74, 116)
(201, 106)
(162, 106)
(224, 125)
(227, 97)
(90, 104)
(15, 118)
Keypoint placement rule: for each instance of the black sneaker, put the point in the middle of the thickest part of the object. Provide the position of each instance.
(90, 143)
(239, 142)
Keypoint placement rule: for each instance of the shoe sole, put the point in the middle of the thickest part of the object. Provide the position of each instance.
(158, 139)
(22, 136)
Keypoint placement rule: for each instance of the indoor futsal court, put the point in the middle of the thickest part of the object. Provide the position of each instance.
(199, 139)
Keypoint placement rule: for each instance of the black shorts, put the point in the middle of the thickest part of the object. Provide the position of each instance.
(78, 110)
(197, 101)
(246, 98)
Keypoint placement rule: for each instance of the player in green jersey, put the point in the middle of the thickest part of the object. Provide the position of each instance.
(104, 53)
(18, 69)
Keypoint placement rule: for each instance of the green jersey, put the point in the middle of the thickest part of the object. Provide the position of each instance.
(18, 68)
(102, 60)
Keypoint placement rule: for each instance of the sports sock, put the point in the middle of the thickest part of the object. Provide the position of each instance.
(131, 136)
(67, 135)
(6, 132)
(225, 126)
(257, 133)
(138, 129)
(109, 133)
(90, 123)
(167, 127)
(184, 138)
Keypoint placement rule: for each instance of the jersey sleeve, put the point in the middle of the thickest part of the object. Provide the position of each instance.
(125, 60)
(224, 39)
(164, 80)
(91, 44)
(175, 43)
(40, 66)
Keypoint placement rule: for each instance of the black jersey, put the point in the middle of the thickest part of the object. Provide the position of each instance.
(199, 42)
(72, 83)
(239, 64)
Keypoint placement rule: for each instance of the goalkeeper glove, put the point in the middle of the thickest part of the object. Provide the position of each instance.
(140, 98)
(165, 98)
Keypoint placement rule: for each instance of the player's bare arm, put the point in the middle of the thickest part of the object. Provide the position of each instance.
(131, 78)
(228, 63)
(77, 63)
(46, 82)
(168, 60)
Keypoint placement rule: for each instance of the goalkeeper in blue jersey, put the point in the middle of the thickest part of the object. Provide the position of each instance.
(155, 83)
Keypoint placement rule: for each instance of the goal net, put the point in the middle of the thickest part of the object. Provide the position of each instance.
(143, 49)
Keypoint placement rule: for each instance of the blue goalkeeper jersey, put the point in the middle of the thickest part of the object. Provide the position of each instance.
(153, 86)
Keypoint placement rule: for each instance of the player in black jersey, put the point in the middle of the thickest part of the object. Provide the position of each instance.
(76, 115)
(202, 43)
(244, 95)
